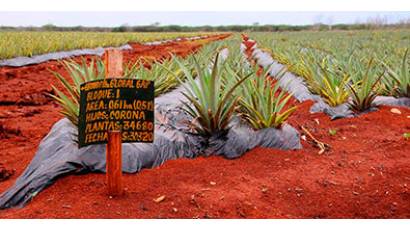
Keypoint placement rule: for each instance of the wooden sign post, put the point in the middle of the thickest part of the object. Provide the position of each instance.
(113, 69)
(115, 110)
(114, 163)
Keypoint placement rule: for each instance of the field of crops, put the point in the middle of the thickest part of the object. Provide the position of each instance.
(14, 44)
(339, 65)
(232, 81)
(214, 97)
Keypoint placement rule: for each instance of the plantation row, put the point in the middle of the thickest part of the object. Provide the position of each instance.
(342, 65)
(219, 84)
(14, 44)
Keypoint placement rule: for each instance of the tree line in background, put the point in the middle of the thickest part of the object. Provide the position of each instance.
(156, 27)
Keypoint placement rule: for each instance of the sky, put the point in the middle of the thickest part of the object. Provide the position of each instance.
(112, 19)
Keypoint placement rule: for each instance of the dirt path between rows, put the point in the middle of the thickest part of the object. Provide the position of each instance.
(366, 174)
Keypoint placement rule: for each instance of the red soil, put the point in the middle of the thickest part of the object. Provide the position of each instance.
(245, 37)
(364, 175)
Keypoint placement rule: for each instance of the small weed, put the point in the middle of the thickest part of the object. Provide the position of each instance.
(332, 132)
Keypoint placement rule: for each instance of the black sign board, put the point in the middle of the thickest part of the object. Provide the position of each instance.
(116, 104)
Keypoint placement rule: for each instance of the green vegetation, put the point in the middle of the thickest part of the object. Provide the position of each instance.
(262, 102)
(345, 64)
(79, 73)
(332, 132)
(363, 88)
(213, 104)
(373, 23)
(398, 82)
(233, 87)
(14, 44)
(219, 83)
(165, 80)
(166, 73)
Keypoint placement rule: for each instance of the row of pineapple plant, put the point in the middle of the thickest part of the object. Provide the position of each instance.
(166, 73)
(29, 43)
(346, 67)
(218, 88)
(233, 88)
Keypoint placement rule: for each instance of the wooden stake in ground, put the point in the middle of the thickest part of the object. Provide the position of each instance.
(114, 163)
(113, 63)
(113, 69)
